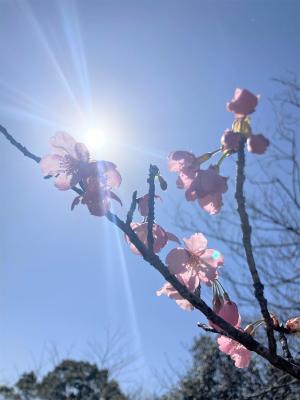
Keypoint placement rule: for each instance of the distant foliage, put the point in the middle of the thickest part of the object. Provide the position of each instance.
(69, 380)
(212, 376)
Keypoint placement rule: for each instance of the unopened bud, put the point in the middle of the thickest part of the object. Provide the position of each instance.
(163, 184)
(293, 325)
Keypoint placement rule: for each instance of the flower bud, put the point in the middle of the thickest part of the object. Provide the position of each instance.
(293, 325)
(163, 184)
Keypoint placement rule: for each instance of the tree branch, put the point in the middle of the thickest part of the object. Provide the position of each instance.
(246, 232)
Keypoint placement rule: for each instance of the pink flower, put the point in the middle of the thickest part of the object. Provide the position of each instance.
(180, 160)
(168, 290)
(160, 236)
(243, 103)
(195, 263)
(208, 187)
(230, 140)
(229, 312)
(143, 204)
(70, 164)
(96, 197)
(257, 143)
(239, 353)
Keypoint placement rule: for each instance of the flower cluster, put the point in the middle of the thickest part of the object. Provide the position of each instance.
(207, 186)
(69, 163)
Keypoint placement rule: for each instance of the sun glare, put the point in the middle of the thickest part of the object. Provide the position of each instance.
(95, 139)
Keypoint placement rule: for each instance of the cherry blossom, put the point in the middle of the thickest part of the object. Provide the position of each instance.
(195, 263)
(239, 353)
(169, 291)
(70, 164)
(180, 160)
(208, 187)
(243, 103)
(97, 197)
(230, 140)
(257, 143)
(160, 236)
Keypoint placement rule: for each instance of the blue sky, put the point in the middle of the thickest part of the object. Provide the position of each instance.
(149, 77)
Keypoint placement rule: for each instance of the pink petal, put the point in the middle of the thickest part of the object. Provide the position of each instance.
(63, 143)
(257, 144)
(51, 164)
(211, 203)
(172, 293)
(176, 260)
(63, 181)
(230, 140)
(82, 152)
(143, 204)
(207, 274)
(196, 244)
(186, 178)
(190, 278)
(226, 345)
(241, 356)
(179, 160)
(212, 258)
(172, 237)
(243, 102)
(113, 179)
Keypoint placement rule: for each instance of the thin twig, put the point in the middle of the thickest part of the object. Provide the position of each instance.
(246, 231)
(132, 208)
(19, 146)
(285, 347)
(153, 171)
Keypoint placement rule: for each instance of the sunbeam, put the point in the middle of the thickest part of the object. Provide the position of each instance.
(47, 48)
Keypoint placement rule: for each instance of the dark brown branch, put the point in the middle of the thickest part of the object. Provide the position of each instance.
(18, 145)
(132, 208)
(285, 347)
(246, 232)
(153, 171)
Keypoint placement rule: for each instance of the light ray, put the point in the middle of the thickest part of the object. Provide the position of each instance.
(46, 47)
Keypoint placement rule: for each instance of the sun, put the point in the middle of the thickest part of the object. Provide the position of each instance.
(95, 138)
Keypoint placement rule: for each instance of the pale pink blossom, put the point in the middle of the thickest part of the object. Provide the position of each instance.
(96, 197)
(257, 143)
(239, 353)
(180, 160)
(160, 236)
(143, 207)
(208, 187)
(230, 140)
(243, 103)
(169, 291)
(69, 162)
(195, 263)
